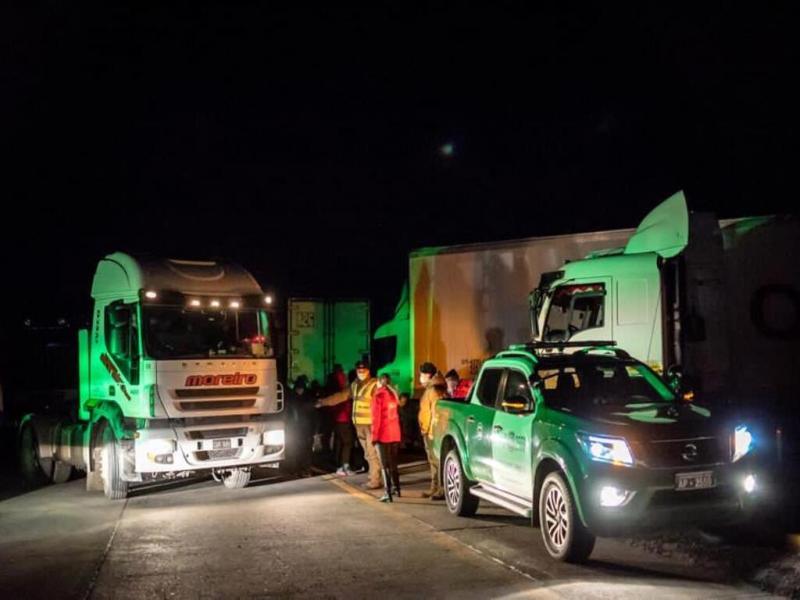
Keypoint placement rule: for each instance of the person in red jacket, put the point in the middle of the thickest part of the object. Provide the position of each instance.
(386, 434)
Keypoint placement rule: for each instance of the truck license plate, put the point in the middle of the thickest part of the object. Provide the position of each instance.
(221, 444)
(694, 481)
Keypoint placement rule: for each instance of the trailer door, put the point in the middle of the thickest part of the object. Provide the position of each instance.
(306, 339)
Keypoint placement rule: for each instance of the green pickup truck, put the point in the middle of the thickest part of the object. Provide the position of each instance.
(585, 440)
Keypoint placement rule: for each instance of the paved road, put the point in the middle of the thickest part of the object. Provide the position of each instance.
(313, 538)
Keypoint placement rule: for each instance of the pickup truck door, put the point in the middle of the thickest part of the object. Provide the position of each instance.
(512, 437)
(479, 418)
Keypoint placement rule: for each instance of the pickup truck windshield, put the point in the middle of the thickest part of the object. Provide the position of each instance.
(601, 382)
(175, 332)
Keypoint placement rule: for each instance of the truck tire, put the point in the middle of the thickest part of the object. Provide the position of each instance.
(565, 538)
(114, 487)
(61, 472)
(456, 487)
(35, 470)
(236, 479)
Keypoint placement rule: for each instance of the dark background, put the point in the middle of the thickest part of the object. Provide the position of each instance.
(304, 143)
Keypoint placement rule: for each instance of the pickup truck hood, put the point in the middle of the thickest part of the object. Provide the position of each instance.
(650, 421)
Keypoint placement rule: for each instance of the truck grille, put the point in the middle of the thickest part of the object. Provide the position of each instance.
(216, 404)
(215, 392)
(211, 434)
(684, 453)
(227, 454)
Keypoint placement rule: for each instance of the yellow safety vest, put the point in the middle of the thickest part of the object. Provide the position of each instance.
(362, 401)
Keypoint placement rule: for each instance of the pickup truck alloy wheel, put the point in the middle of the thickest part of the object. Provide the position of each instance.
(456, 487)
(565, 537)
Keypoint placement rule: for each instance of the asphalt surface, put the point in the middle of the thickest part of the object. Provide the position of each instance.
(319, 537)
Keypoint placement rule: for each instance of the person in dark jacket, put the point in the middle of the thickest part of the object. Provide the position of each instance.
(386, 434)
(302, 426)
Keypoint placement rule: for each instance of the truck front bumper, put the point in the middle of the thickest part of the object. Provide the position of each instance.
(651, 500)
(217, 446)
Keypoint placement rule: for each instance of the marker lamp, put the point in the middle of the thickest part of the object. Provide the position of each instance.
(606, 449)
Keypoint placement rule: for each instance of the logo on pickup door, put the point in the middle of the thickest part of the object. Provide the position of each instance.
(227, 379)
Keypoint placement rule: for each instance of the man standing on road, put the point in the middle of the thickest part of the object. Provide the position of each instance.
(435, 389)
(361, 393)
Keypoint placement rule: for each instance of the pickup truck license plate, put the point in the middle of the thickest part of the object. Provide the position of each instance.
(221, 444)
(694, 481)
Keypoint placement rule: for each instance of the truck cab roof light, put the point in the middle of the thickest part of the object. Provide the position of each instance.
(151, 295)
(214, 304)
(194, 302)
(235, 304)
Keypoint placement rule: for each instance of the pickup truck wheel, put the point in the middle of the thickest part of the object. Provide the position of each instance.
(236, 479)
(114, 487)
(35, 471)
(456, 487)
(565, 537)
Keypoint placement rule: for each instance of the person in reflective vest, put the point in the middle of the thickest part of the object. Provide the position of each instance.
(361, 392)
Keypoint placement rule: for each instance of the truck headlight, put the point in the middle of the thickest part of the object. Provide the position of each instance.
(606, 449)
(274, 437)
(742, 442)
(159, 446)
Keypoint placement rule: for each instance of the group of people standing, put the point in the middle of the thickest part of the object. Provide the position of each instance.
(371, 406)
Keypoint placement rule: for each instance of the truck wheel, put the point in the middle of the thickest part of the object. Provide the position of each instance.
(114, 487)
(236, 479)
(456, 487)
(35, 471)
(565, 537)
(61, 472)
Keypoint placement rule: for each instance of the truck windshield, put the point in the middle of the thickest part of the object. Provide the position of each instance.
(175, 332)
(599, 383)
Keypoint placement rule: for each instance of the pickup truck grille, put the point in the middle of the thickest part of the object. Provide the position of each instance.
(683, 453)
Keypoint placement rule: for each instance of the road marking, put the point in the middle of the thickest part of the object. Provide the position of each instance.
(101, 562)
(441, 537)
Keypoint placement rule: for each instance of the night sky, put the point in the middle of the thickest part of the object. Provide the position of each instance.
(307, 144)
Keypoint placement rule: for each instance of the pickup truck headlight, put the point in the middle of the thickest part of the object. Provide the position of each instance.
(606, 449)
(742, 442)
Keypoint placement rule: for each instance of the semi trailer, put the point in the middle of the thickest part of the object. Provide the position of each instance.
(464, 303)
(176, 375)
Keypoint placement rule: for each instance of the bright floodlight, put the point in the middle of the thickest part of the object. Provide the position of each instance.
(151, 294)
(194, 302)
(750, 484)
(268, 299)
(215, 303)
(235, 304)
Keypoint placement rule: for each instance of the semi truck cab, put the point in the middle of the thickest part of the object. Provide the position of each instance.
(177, 374)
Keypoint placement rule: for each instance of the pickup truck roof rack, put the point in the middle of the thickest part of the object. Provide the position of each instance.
(584, 347)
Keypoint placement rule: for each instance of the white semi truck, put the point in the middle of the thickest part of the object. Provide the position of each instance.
(465, 303)
(177, 375)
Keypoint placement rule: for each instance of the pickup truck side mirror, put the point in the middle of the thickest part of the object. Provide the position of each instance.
(517, 404)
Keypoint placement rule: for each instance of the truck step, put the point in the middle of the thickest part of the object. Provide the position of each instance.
(521, 506)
